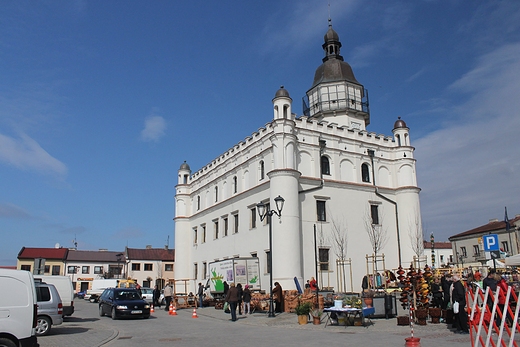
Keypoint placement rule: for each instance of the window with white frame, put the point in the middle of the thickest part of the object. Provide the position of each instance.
(320, 211)
(253, 218)
(235, 223)
(215, 228)
(323, 254)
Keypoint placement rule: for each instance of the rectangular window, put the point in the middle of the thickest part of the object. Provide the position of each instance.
(463, 251)
(442, 259)
(323, 254)
(235, 220)
(195, 270)
(71, 269)
(136, 266)
(268, 258)
(98, 270)
(25, 267)
(476, 251)
(203, 234)
(85, 270)
(168, 267)
(55, 270)
(47, 269)
(204, 269)
(267, 208)
(226, 226)
(374, 214)
(215, 228)
(195, 235)
(148, 267)
(505, 246)
(253, 218)
(320, 209)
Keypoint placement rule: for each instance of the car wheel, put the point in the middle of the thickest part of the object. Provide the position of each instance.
(101, 314)
(43, 326)
(92, 299)
(7, 343)
(114, 313)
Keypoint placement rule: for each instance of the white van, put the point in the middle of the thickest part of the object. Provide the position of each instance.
(64, 286)
(18, 309)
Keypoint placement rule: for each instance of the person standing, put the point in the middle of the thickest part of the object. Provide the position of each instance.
(226, 288)
(246, 298)
(278, 297)
(436, 292)
(313, 285)
(445, 285)
(200, 293)
(232, 300)
(168, 293)
(458, 294)
(240, 293)
(156, 297)
(490, 281)
(138, 288)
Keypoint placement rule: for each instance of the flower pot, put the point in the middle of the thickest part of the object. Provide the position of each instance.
(421, 315)
(435, 314)
(316, 320)
(403, 320)
(303, 319)
(338, 303)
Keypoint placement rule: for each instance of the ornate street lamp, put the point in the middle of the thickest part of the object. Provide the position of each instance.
(262, 212)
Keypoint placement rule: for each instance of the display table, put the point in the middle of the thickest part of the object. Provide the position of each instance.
(349, 313)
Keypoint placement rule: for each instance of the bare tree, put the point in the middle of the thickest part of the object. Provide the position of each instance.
(377, 235)
(417, 238)
(339, 241)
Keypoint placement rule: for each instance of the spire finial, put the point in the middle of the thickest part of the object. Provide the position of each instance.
(330, 20)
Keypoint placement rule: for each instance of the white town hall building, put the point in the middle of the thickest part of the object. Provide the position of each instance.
(337, 180)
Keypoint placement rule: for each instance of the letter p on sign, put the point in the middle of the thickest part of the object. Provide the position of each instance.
(490, 242)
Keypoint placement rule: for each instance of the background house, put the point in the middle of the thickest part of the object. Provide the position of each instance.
(150, 266)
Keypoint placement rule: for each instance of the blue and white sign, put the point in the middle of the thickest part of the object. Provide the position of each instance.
(490, 242)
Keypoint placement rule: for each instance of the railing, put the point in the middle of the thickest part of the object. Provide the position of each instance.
(336, 104)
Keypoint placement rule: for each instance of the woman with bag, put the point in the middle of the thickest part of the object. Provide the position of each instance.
(232, 299)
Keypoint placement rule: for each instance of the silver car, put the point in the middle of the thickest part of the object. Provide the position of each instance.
(50, 308)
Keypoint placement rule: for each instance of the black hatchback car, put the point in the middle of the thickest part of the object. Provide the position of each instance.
(123, 302)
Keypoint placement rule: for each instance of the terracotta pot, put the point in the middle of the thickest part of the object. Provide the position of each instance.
(303, 319)
(435, 314)
(316, 320)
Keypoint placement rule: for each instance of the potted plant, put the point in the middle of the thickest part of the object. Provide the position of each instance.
(302, 310)
(316, 316)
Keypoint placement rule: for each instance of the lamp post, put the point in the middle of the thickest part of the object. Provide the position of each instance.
(263, 212)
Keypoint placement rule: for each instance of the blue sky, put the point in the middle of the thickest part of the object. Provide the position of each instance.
(102, 101)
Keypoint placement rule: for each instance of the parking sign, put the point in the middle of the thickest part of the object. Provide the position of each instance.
(490, 242)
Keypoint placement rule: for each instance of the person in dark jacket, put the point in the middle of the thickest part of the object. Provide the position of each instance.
(436, 293)
(278, 297)
(156, 297)
(200, 293)
(445, 285)
(246, 298)
(240, 293)
(232, 300)
(226, 288)
(458, 294)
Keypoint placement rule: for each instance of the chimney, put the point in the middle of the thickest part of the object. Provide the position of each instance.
(493, 220)
(166, 247)
(148, 246)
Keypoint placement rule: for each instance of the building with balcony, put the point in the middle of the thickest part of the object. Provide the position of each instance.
(340, 184)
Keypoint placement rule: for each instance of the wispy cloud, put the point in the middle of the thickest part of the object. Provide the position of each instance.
(468, 170)
(129, 233)
(26, 154)
(154, 128)
(12, 211)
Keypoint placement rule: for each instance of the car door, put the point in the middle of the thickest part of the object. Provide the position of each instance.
(104, 301)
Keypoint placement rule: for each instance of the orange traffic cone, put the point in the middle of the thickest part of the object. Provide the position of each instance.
(174, 312)
(170, 310)
(194, 315)
(151, 309)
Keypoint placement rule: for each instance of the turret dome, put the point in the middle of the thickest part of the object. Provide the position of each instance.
(185, 166)
(282, 92)
(399, 123)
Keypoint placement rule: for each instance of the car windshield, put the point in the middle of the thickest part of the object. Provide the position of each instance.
(147, 291)
(127, 295)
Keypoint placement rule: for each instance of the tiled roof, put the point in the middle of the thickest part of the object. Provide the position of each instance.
(437, 245)
(487, 228)
(47, 253)
(101, 256)
(151, 254)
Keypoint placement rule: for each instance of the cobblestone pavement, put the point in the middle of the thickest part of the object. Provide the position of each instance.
(214, 328)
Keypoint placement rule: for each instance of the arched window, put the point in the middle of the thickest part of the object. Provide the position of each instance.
(262, 170)
(365, 175)
(234, 184)
(216, 194)
(325, 167)
(198, 202)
